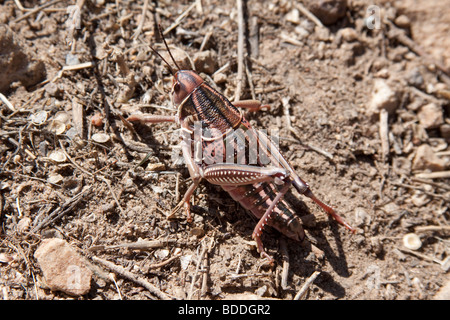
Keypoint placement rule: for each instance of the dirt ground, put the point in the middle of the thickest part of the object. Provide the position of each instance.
(369, 108)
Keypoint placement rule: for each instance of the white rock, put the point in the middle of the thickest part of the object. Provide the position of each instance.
(383, 97)
(205, 61)
(426, 159)
(362, 217)
(293, 16)
(63, 268)
(23, 224)
(412, 241)
(349, 34)
(430, 116)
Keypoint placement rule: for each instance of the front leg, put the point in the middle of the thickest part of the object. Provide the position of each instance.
(194, 169)
(195, 172)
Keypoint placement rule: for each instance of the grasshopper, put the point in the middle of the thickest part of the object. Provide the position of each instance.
(208, 122)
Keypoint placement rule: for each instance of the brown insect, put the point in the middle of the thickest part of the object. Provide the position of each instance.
(210, 122)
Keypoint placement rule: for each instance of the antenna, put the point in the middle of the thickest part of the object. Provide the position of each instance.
(167, 47)
(159, 55)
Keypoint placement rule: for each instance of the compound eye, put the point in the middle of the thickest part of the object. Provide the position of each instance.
(176, 87)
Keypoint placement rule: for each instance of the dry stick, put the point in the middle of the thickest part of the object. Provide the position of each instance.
(432, 194)
(80, 66)
(248, 72)
(384, 134)
(285, 257)
(132, 277)
(308, 14)
(433, 175)
(62, 210)
(194, 278)
(30, 13)
(399, 35)
(286, 106)
(204, 288)
(19, 5)
(305, 287)
(139, 245)
(240, 45)
(163, 263)
(180, 18)
(7, 103)
(141, 21)
(94, 176)
(436, 184)
(432, 228)
(443, 263)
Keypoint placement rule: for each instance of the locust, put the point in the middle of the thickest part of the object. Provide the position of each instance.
(214, 134)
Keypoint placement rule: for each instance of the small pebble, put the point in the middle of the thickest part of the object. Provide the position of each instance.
(328, 11)
(403, 21)
(63, 268)
(414, 78)
(384, 96)
(431, 116)
(349, 34)
(23, 224)
(412, 241)
(361, 217)
(100, 137)
(205, 61)
(293, 16)
(72, 59)
(426, 159)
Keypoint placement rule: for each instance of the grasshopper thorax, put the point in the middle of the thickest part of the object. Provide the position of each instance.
(183, 84)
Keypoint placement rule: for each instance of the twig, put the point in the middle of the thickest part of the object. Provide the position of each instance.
(235, 276)
(194, 278)
(285, 257)
(399, 35)
(286, 107)
(19, 5)
(240, 51)
(180, 18)
(30, 177)
(68, 68)
(432, 228)
(204, 288)
(72, 161)
(112, 193)
(62, 210)
(130, 276)
(436, 184)
(30, 13)
(205, 249)
(248, 72)
(139, 245)
(308, 14)
(433, 175)
(445, 265)
(92, 175)
(432, 194)
(7, 103)
(384, 134)
(304, 289)
(163, 263)
(286, 113)
(141, 21)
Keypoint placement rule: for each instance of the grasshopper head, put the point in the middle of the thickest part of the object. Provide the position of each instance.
(184, 82)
